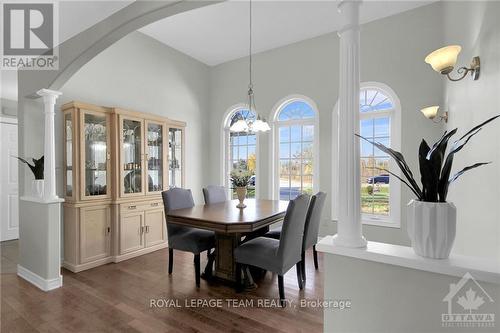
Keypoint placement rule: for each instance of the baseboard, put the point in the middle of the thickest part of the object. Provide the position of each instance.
(89, 265)
(122, 257)
(38, 281)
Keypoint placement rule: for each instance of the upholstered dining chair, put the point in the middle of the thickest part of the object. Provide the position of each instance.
(186, 238)
(214, 194)
(277, 256)
(311, 229)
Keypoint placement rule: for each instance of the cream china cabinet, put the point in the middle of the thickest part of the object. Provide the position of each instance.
(116, 164)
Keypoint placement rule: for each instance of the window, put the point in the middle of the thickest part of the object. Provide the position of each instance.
(240, 150)
(295, 133)
(379, 121)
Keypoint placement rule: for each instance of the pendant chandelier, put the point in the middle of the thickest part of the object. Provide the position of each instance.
(248, 124)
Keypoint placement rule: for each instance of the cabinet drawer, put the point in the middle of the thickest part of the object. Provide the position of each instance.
(136, 207)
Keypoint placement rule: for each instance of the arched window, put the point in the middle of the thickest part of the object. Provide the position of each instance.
(379, 114)
(295, 146)
(240, 149)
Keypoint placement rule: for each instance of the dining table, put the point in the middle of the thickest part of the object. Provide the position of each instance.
(230, 223)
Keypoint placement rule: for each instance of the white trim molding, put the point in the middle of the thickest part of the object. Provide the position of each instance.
(224, 142)
(483, 269)
(274, 154)
(394, 220)
(38, 281)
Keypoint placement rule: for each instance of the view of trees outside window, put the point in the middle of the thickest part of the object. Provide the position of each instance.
(242, 151)
(295, 149)
(375, 125)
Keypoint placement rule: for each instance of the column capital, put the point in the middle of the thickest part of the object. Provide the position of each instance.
(49, 95)
(344, 3)
(350, 14)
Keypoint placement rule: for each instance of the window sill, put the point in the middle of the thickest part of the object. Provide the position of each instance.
(387, 224)
(382, 223)
(484, 269)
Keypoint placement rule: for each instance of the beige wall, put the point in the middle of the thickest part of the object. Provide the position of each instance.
(392, 52)
(476, 27)
(140, 73)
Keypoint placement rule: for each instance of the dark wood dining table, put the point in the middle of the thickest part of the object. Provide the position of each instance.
(229, 224)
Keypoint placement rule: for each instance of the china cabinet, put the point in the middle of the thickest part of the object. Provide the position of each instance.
(175, 156)
(116, 164)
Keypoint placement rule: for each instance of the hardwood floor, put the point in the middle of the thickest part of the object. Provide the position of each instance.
(116, 298)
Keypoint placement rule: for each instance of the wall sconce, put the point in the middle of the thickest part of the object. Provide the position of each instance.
(431, 113)
(444, 59)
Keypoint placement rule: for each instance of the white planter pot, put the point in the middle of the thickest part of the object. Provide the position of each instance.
(432, 228)
(37, 188)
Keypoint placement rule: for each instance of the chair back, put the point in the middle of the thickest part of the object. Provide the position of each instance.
(214, 194)
(176, 198)
(313, 220)
(292, 231)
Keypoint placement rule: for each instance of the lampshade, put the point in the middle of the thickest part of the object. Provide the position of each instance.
(239, 126)
(444, 59)
(430, 112)
(260, 126)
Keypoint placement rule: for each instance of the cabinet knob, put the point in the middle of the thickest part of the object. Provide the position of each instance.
(154, 204)
(132, 207)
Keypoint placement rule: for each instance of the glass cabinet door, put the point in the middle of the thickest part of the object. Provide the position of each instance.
(154, 156)
(132, 156)
(68, 153)
(175, 147)
(95, 154)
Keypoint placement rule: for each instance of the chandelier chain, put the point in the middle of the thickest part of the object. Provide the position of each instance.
(250, 46)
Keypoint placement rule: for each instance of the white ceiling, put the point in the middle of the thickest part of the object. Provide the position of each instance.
(77, 16)
(74, 17)
(219, 33)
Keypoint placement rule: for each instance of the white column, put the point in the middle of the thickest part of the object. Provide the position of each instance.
(349, 218)
(49, 150)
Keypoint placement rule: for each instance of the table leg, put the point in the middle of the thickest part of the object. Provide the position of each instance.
(225, 265)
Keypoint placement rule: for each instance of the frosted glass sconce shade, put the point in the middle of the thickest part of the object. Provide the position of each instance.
(443, 61)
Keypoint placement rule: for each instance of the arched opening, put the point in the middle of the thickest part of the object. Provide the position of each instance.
(295, 147)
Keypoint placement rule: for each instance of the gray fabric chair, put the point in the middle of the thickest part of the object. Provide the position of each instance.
(277, 256)
(185, 238)
(214, 194)
(311, 230)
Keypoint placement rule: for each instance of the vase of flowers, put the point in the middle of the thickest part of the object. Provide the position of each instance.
(432, 219)
(239, 180)
(37, 184)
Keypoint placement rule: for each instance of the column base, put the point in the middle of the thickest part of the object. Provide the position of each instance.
(358, 242)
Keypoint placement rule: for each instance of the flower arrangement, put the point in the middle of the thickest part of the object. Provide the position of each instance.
(240, 177)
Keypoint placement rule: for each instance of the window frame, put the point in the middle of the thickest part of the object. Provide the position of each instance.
(225, 153)
(393, 220)
(274, 153)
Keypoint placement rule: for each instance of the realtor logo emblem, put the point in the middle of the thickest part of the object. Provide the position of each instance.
(29, 36)
(468, 303)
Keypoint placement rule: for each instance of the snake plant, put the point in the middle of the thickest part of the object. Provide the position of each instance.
(36, 167)
(435, 165)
